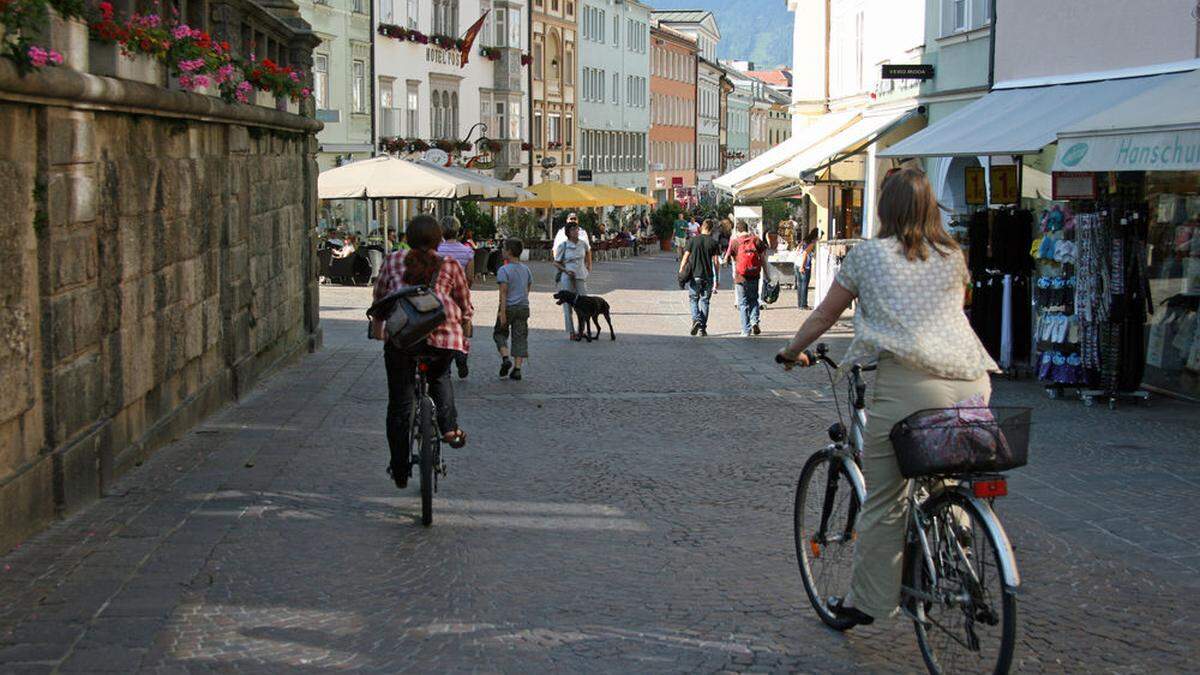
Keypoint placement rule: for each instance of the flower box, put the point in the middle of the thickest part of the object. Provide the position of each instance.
(106, 59)
(68, 37)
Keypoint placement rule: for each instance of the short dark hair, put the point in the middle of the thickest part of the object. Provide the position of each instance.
(450, 228)
(514, 247)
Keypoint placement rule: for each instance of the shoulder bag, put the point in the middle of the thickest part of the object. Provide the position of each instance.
(410, 313)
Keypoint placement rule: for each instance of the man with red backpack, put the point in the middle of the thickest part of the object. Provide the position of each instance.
(749, 254)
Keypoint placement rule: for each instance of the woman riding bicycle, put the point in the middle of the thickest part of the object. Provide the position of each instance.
(910, 284)
(413, 268)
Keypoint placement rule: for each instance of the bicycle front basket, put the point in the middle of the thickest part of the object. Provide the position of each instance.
(949, 441)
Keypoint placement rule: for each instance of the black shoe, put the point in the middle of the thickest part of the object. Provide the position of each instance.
(463, 370)
(695, 327)
(703, 332)
(400, 478)
(505, 366)
(855, 616)
(516, 374)
(756, 330)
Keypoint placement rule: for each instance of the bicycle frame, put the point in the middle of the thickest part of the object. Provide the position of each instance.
(850, 452)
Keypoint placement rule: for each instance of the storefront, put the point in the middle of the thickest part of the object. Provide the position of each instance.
(834, 164)
(1081, 256)
(1143, 157)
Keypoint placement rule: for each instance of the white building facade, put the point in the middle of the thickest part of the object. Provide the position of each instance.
(614, 92)
(424, 91)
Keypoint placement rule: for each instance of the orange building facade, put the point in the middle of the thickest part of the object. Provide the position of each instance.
(672, 116)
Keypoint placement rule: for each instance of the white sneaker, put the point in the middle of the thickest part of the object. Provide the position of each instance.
(745, 333)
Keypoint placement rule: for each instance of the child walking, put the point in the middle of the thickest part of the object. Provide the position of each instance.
(515, 280)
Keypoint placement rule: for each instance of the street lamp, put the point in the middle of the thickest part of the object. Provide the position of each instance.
(478, 125)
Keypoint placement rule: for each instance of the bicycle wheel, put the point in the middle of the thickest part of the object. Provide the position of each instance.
(825, 513)
(429, 441)
(970, 617)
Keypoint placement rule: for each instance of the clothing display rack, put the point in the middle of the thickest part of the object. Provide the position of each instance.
(998, 259)
(1091, 301)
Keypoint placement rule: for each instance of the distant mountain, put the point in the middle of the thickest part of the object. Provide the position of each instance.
(754, 30)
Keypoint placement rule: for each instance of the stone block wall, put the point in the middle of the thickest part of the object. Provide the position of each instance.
(159, 262)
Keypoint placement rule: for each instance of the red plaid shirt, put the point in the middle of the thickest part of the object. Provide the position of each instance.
(451, 288)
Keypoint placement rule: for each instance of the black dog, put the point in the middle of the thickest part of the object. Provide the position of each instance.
(588, 309)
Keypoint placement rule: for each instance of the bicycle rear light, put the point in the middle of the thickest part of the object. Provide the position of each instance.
(987, 489)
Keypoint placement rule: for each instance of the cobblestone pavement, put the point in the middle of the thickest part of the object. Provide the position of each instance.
(627, 507)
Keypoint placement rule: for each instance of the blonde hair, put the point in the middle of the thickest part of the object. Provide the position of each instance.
(908, 211)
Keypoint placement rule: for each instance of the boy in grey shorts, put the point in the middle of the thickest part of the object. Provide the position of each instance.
(515, 280)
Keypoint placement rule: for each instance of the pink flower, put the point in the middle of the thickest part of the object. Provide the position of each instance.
(152, 20)
(295, 76)
(181, 31)
(38, 56)
(200, 81)
(56, 58)
(186, 82)
(305, 92)
(224, 73)
(191, 65)
(242, 93)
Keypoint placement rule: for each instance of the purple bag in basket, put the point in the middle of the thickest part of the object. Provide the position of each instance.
(966, 438)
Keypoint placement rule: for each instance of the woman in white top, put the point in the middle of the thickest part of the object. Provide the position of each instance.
(573, 259)
(910, 284)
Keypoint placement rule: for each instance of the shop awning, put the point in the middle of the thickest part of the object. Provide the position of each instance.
(1020, 121)
(737, 181)
(853, 139)
(1158, 130)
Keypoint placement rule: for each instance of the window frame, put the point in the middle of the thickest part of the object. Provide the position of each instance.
(358, 86)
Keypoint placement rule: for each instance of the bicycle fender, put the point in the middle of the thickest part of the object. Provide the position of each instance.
(856, 478)
(1008, 560)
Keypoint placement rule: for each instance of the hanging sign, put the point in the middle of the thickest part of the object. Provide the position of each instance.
(1074, 185)
(907, 71)
(1004, 184)
(583, 175)
(976, 186)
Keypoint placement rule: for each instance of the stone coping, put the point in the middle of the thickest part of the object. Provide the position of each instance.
(69, 88)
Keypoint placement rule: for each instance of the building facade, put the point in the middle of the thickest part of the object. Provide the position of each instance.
(839, 47)
(958, 42)
(779, 118)
(701, 26)
(341, 81)
(673, 59)
(737, 120)
(502, 106)
(614, 92)
(554, 53)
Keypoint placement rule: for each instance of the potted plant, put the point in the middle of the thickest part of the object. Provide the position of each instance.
(662, 220)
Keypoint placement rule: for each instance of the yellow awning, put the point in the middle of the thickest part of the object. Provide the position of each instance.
(555, 195)
(615, 196)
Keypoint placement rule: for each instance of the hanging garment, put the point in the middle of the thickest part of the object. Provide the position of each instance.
(1006, 318)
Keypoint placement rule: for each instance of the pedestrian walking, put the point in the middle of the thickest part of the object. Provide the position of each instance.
(803, 268)
(573, 260)
(422, 266)
(464, 255)
(681, 236)
(512, 318)
(909, 283)
(701, 262)
(748, 254)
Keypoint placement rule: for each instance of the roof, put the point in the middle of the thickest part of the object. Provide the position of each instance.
(688, 16)
(668, 32)
(780, 77)
(681, 15)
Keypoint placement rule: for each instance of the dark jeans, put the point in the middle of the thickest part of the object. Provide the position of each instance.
(802, 278)
(699, 294)
(401, 369)
(460, 359)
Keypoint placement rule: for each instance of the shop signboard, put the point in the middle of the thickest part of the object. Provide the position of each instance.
(1074, 185)
(907, 71)
(976, 185)
(1156, 151)
(1004, 184)
(583, 175)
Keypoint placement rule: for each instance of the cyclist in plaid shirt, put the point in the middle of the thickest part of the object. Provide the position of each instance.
(416, 267)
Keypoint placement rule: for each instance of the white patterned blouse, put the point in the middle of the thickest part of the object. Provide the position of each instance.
(913, 309)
